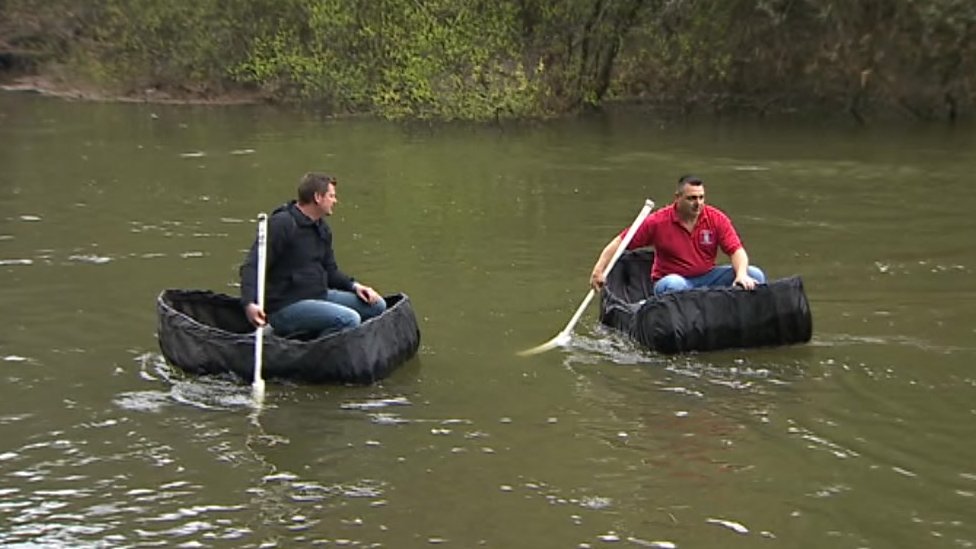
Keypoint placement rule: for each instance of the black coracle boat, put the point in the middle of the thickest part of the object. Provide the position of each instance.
(704, 319)
(204, 332)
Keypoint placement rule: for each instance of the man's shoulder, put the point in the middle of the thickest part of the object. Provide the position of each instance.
(283, 220)
(715, 213)
(662, 215)
(282, 214)
(663, 212)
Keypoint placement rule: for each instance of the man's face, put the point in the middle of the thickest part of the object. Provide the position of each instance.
(690, 200)
(327, 200)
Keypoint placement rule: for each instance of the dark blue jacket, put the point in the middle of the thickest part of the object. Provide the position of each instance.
(300, 264)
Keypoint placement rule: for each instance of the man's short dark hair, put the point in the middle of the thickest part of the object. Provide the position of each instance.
(314, 182)
(688, 180)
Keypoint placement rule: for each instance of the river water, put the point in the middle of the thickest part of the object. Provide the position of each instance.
(865, 437)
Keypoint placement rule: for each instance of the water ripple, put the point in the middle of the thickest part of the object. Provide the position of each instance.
(821, 443)
(373, 404)
(840, 340)
(90, 258)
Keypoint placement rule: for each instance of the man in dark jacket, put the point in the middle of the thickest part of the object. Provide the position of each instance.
(306, 295)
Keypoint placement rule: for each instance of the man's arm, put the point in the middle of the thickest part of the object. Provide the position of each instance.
(740, 264)
(249, 292)
(277, 238)
(337, 279)
(340, 280)
(248, 272)
(597, 278)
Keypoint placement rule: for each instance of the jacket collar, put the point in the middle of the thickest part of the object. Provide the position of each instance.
(300, 218)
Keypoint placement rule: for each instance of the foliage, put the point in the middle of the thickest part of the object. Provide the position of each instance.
(916, 55)
(441, 58)
(484, 59)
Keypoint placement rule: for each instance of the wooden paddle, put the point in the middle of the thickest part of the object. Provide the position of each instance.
(563, 337)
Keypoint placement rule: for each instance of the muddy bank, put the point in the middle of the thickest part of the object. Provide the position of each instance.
(52, 87)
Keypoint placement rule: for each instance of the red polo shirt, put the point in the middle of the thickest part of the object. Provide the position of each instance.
(676, 251)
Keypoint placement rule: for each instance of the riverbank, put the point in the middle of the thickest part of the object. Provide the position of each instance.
(53, 87)
(664, 108)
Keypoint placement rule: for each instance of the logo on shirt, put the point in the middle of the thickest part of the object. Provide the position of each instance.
(706, 238)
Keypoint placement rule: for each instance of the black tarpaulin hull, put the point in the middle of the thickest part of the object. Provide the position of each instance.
(204, 332)
(776, 313)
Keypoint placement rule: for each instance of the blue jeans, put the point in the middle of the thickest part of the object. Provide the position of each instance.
(723, 275)
(335, 310)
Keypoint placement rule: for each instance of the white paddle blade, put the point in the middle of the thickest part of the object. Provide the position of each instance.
(257, 392)
(257, 384)
(561, 340)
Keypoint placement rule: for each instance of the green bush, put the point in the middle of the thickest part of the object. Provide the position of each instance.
(485, 60)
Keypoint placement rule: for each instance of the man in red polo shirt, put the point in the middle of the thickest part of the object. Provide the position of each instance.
(686, 236)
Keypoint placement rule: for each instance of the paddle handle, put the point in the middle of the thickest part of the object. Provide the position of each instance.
(262, 251)
(628, 236)
(645, 211)
(576, 316)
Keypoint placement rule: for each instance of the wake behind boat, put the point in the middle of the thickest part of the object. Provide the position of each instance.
(704, 319)
(204, 332)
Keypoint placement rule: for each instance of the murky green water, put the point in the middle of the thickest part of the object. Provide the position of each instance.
(863, 438)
